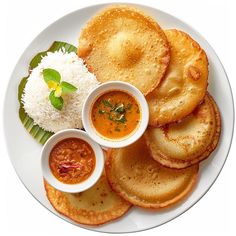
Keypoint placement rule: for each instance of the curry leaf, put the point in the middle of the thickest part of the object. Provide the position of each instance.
(67, 87)
(57, 102)
(51, 75)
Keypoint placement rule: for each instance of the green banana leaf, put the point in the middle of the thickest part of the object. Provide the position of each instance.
(37, 132)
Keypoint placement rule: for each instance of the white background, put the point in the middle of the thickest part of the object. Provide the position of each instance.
(21, 21)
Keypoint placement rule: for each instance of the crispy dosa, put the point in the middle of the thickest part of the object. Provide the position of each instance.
(122, 43)
(185, 83)
(188, 142)
(95, 206)
(134, 175)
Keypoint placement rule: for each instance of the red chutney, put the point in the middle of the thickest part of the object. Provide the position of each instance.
(72, 161)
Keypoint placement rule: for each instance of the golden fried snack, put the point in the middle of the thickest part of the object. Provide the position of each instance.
(142, 181)
(95, 206)
(122, 43)
(188, 142)
(185, 83)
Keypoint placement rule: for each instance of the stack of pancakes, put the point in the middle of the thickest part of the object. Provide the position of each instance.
(171, 70)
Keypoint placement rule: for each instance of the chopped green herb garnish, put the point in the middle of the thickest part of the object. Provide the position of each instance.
(110, 117)
(129, 106)
(107, 103)
(121, 119)
(117, 129)
(115, 112)
(101, 111)
(120, 108)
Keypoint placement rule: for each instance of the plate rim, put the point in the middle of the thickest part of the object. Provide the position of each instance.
(100, 5)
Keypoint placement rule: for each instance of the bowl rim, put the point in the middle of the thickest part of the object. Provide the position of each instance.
(113, 86)
(52, 180)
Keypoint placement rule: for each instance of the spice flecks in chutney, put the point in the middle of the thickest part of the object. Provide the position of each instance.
(72, 161)
(115, 114)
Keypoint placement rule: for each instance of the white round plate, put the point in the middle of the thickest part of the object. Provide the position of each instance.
(24, 151)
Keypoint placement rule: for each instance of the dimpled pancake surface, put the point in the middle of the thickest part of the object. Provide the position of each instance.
(184, 84)
(94, 206)
(134, 175)
(122, 43)
(190, 141)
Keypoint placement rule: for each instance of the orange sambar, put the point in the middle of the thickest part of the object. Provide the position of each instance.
(115, 114)
(72, 161)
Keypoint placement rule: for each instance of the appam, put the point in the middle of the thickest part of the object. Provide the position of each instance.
(123, 43)
(185, 83)
(135, 176)
(95, 206)
(188, 142)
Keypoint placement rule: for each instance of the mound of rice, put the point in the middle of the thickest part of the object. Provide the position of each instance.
(35, 97)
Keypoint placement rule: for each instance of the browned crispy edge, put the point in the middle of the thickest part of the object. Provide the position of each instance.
(77, 221)
(157, 206)
(195, 44)
(181, 164)
(149, 19)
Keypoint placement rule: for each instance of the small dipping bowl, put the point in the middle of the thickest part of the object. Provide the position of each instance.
(109, 87)
(52, 180)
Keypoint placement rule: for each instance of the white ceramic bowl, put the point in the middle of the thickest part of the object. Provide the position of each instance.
(52, 180)
(107, 87)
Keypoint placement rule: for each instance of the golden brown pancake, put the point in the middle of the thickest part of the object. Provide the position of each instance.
(122, 43)
(142, 181)
(188, 142)
(95, 206)
(185, 83)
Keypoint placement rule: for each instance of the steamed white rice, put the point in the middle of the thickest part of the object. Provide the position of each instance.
(35, 97)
